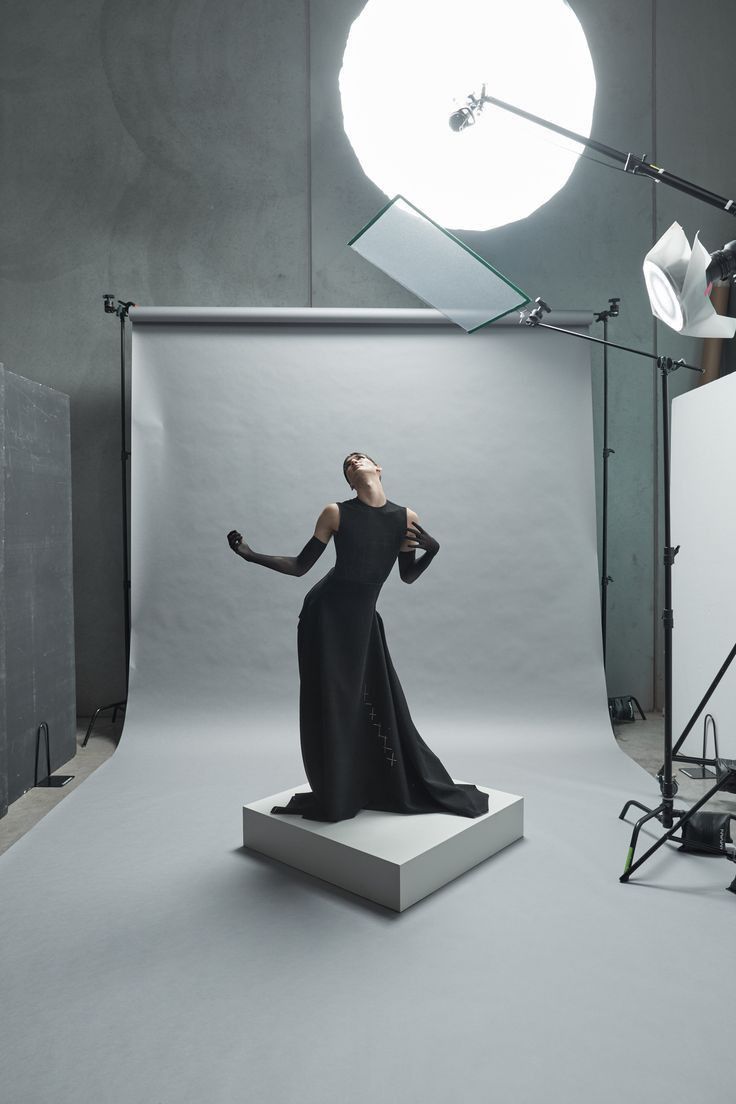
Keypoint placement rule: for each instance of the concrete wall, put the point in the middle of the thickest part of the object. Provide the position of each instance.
(36, 601)
(191, 152)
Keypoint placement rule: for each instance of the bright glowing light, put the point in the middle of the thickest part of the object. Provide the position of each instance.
(675, 275)
(663, 296)
(408, 64)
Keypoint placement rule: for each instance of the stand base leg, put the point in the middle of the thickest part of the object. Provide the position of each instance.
(698, 772)
(629, 805)
(55, 780)
(665, 813)
(103, 708)
(650, 814)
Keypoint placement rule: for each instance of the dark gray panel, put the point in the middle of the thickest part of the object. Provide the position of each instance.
(728, 355)
(38, 595)
(3, 724)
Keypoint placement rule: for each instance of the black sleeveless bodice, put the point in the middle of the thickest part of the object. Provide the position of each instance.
(368, 541)
(359, 744)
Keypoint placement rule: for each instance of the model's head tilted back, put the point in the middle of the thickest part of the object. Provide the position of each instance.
(359, 462)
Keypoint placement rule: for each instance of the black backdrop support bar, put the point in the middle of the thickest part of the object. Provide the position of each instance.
(121, 310)
(603, 316)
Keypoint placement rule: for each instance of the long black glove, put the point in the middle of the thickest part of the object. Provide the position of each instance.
(287, 565)
(409, 567)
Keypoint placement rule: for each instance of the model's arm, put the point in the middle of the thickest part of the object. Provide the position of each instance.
(410, 568)
(327, 524)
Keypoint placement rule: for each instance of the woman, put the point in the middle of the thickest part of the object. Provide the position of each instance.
(359, 744)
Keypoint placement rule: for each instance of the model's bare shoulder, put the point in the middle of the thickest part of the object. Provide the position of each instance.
(328, 522)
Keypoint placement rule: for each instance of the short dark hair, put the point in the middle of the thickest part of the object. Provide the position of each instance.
(349, 456)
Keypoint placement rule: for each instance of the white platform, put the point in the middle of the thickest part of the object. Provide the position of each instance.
(391, 859)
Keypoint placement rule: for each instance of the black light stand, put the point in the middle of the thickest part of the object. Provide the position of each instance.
(121, 311)
(620, 708)
(603, 316)
(664, 812)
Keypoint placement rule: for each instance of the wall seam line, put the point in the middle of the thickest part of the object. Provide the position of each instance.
(655, 393)
(308, 99)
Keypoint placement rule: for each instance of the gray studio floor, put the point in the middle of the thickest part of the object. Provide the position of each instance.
(191, 969)
(642, 741)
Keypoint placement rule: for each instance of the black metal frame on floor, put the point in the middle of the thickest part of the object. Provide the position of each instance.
(726, 781)
(51, 781)
(702, 761)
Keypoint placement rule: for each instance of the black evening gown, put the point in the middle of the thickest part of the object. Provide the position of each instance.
(359, 744)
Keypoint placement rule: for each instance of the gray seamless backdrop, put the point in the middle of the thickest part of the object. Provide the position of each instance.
(488, 437)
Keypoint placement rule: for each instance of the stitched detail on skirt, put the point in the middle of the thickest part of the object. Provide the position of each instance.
(375, 721)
